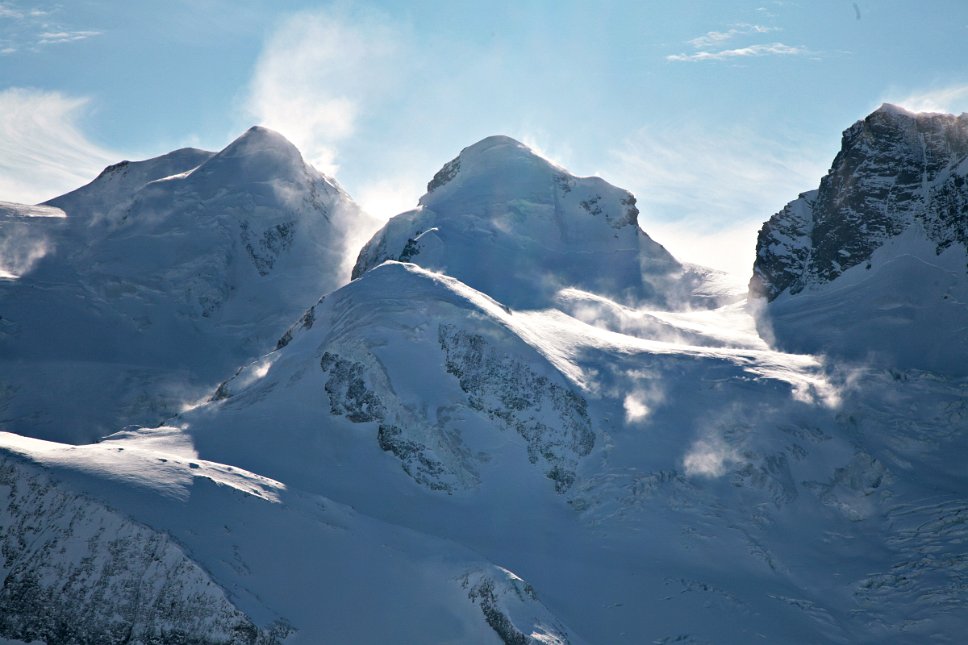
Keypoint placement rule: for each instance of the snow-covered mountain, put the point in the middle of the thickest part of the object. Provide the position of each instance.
(589, 463)
(878, 253)
(151, 284)
(509, 223)
(474, 473)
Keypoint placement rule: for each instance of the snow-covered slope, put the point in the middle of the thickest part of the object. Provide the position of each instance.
(77, 571)
(511, 224)
(646, 490)
(118, 182)
(112, 543)
(152, 287)
(872, 266)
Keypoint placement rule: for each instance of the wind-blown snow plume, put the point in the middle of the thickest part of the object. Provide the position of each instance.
(709, 457)
(20, 249)
(952, 98)
(315, 75)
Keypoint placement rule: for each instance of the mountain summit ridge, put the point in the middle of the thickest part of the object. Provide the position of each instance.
(512, 224)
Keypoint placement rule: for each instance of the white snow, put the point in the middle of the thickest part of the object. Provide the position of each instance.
(135, 295)
(434, 455)
(909, 309)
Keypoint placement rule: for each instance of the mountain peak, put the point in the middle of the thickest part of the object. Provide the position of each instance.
(497, 143)
(892, 109)
(261, 141)
(515, 226)
(889, 214)
(257, 155)
(261, 135)
(492, 157)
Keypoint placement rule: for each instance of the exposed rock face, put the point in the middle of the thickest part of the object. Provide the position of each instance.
(75, 571)
(894, 169)
(872, 266)
(512, 609)
(515, 396)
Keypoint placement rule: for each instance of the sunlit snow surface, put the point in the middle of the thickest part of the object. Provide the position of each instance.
(731, 493)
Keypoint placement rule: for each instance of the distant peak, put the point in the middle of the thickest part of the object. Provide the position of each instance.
(498, 145)
(499, 151)
(492, 155)
(493, 141)
(261, 138)
(890, 108)
(258, 154)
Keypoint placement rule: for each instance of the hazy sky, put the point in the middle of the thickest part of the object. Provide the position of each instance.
(714, 114)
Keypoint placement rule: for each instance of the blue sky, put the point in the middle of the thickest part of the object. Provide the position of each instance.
(714, 113)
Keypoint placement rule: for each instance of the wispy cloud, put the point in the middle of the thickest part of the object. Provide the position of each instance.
(32, 29)
(43, 151)
(951, 98)
(770, 49)
(12, 12)
(710, 45)
(704, 192)
(315, 75)
(713, 38)
(55, 37)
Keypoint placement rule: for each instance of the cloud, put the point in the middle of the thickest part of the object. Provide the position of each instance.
(43, 151)
(31, 29)
(316, 74)
(11, 12)
(712, 38)
(56, 37)
(705, 192)
(953, 99)
(771, 49)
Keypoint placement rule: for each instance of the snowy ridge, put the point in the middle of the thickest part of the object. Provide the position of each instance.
(487, 375)
(118, 182)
